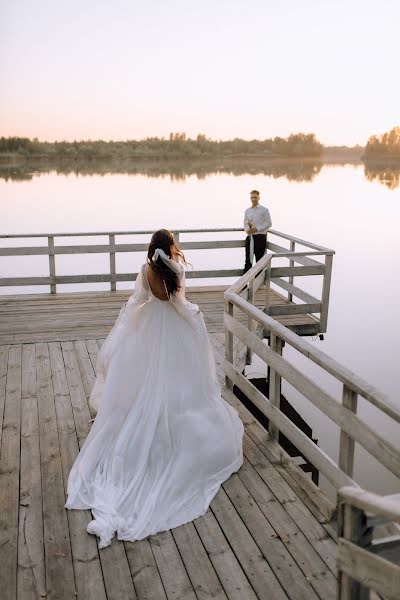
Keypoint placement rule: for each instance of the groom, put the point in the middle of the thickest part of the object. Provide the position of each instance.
(257, 221)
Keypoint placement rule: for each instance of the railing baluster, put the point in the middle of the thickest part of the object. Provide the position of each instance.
(352, 527)
(250, 298)
(228, 343)
(52, 264)
(112, 261)
(325, 293)
(291, 264)
(274, 393)
(267, 287)
(346, 452)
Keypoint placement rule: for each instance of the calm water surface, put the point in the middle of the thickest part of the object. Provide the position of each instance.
(339, 209)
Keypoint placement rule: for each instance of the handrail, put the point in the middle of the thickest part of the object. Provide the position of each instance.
(384, 506)
(344, 414)
(366, 564)
(285, 236)
(342, 373)
(297, 240)
(105, 233)
(56, 246)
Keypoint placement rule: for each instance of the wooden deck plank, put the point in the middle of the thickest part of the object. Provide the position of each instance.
(310, 523)
(114, 561)
(59, 569)
(274, 550)
(3, 381)
(311, 564)
(9, 474)
(198, 565)
(145, 574)
(92, 348)
(223, 559)
(247, 551)
(174, 576)
(306, 521)
(85, 366)
(87, 568)
(31, 574)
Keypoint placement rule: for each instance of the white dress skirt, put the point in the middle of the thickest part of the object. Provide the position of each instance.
(163, 439)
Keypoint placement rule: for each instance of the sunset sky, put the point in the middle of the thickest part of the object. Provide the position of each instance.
(128, 69)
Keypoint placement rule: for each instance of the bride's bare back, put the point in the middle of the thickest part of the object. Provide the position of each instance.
(156, 284)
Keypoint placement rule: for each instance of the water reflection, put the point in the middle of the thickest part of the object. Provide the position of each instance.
(179, 170)
(387, 175)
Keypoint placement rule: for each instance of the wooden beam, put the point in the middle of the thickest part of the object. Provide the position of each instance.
(353, 381)
(382, 450)
(346, 446)
(294, 309)
(371, 571)
(306, 446)
(112, 262)
(292, 238)
(294, 291)
(326, 286)
(228, 342)
(372, 503)
(296, 271)
(275, 386)
(52, 265)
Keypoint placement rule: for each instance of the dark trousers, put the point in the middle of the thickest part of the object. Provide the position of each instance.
(260, 243)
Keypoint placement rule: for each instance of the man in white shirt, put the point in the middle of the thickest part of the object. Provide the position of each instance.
(257, 221)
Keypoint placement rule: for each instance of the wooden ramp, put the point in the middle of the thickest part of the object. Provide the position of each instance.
(262, 537)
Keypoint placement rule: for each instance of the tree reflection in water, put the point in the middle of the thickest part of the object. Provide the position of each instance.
(388, 175)
(176, 170)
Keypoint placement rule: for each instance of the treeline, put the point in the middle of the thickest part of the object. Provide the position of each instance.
(385, 146)
(177, 145)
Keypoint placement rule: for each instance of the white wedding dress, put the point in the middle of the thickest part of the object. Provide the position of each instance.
(163, 439)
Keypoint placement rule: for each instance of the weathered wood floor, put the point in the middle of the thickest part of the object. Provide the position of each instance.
(37, 317)
(261, 538)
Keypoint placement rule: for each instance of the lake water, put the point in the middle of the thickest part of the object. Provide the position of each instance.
(337, 208)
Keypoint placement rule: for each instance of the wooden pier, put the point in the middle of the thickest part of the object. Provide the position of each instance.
(270, 533)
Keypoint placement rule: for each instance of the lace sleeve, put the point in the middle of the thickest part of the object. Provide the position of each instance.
(142, 290)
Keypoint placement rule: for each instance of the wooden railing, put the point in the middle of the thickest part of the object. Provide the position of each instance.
(301, 263)
(344, 414)
(51, 249)
(364, 563)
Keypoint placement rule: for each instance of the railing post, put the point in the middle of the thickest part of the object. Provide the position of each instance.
(251, 249)
(291, 264)
(112, 261)
(352, 526)
(250, 298)
(228, 343)
(346, 452)
(325, 293)
(267, 287)
(274, 393)
(176, 236)
(52, 264)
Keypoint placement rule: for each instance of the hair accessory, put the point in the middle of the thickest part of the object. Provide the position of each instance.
(173, 265)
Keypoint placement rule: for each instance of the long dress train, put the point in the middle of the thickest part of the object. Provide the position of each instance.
(163, 439)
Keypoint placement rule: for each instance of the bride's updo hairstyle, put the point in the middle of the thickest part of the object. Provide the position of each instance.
(164, 239)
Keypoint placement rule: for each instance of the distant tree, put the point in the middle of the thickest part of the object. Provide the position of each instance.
(386, 145)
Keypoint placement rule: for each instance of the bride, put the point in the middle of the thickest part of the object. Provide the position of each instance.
(163, 439)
